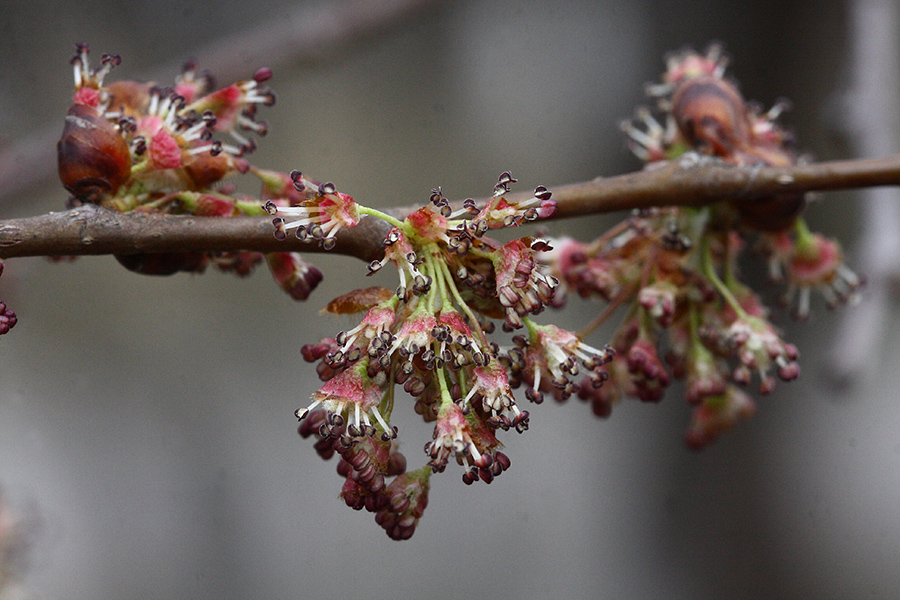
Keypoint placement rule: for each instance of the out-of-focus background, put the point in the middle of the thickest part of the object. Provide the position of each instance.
(147, 440)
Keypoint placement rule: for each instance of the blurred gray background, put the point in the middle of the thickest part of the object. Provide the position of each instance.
(146, 423)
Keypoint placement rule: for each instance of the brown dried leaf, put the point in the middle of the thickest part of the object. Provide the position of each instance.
(358, 301)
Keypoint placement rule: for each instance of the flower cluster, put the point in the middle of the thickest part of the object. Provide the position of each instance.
(8, 318)
(431, 337)
(134, 146)
(674, 270)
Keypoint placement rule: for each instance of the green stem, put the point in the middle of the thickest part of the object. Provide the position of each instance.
(372, 212)
(448, 279)
(709, 270)
(445, 389)
(438, 274)
(805, 239)
(387, 402)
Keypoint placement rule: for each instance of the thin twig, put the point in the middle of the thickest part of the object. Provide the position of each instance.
(89, 230)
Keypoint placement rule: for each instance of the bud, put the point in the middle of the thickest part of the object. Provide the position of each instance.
(92, 157)
(164, 264)
(295, 276)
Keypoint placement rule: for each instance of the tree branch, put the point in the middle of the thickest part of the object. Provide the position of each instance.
(92, 230)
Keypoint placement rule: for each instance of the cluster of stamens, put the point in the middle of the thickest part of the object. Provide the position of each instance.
(8, 318)
(320, 215)
(431, 336)
(673, 271)
(130, 145)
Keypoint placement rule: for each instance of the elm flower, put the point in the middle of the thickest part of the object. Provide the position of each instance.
(811, 262)
(759, 349)
(716, 414)
(321, 215)
(407, 499)
(399, 251)
(496, 398)
(235, 108)
(166, 133)
(354, 392)
(551, 353)
(372, 335)
(457, 345)
(648, 139)
(649, 376)
(8, 317)
(578, 267)
(466, 439)
(295, 276)
(501, 212)
(522, 288)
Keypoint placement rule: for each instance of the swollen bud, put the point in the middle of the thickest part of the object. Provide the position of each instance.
(93, 158)
(711, 113)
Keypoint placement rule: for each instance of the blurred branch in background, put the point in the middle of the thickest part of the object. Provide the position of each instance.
(685, 182)
(874, 128)
(306, 35)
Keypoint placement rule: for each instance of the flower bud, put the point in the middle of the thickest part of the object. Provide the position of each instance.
(93, 158)
(710, 112)
(163, 264)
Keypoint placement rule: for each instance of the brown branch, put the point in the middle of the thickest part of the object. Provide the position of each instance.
(90, 230)
(679, 183)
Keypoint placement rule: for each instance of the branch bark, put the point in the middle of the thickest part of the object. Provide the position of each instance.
(92, 230)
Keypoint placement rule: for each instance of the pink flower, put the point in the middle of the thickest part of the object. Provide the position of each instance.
(716, 414)
(579, 267)
(649, 375)
(407, 499)
(321, 215)
(688, 64)
(428, 224)
(469, 441)
(760, 349)
(352, 392)
(500, 212)
(399, 251)
(491, 387)
(660, 300)
(293, 274)
(522, 288)
(815, 263)
(235, 107)
(164, 151)
(551, 354)
(87, 78)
